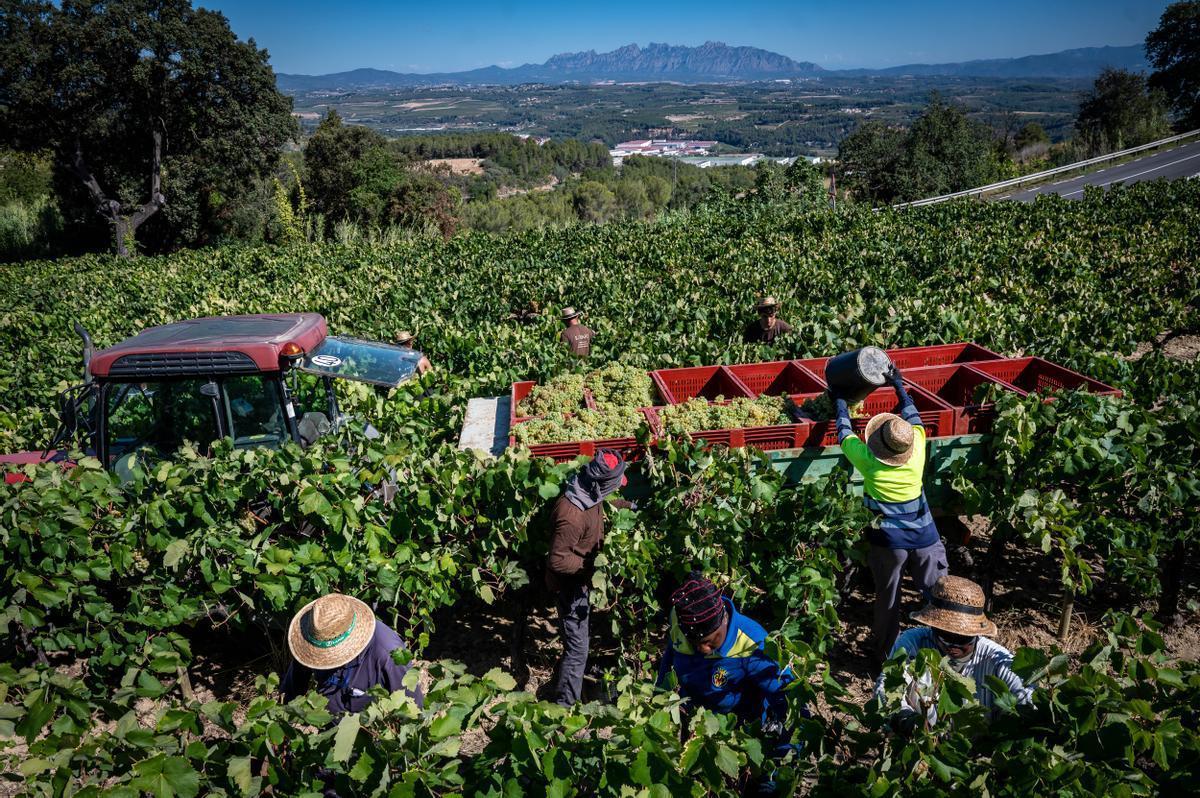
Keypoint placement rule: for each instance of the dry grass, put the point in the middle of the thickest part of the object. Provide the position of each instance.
(459, 166)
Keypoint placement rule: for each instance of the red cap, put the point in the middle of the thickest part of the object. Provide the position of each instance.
(612, 461)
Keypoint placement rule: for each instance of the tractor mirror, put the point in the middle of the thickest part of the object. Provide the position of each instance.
(210, 390)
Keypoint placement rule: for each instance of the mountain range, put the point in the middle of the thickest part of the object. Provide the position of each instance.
(715, 62)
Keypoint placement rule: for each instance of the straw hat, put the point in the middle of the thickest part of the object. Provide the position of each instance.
(765, 302)
(570, 313)
(331, 631)
(890, 439)
(404, 336)
(956, 606)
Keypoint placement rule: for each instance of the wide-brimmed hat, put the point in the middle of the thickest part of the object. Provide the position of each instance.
(765, 302)
(404, 336)
(890, 439)
(956, 606)
(330, 631)
(570, 313)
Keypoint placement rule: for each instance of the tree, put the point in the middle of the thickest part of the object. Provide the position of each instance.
(633, 199)
(1121, 111)
(945, 152)
(350, 171)
(594, 202)
(1173, 49)
(805, 184)
(1030, 135)
(420, 200)
(870, 159)
(658, 191)
(152, 109)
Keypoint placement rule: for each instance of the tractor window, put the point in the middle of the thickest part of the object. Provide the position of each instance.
(159, 416)
(255, 411)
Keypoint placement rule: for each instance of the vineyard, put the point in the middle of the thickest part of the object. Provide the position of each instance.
(141, 624)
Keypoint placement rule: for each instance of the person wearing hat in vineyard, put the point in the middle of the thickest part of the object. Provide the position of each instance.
(955, 626)
(577, 530)
(407, 340)
(337, 641)
(905, 537)
(716, 655)
(575, 335)
(718, 661)
(769, 326)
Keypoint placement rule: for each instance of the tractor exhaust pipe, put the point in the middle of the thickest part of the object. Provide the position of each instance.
(87, 352)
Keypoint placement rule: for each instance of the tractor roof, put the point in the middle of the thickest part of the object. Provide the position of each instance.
(213, 345)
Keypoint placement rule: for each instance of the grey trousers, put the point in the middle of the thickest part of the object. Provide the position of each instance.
(573, 613)
(925, 565)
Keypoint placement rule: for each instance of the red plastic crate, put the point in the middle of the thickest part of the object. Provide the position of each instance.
(776, 378)
(1033, 374)
(957, 385)
(520, 391)
(942, 354)
(629, 448)
(936, 416)
(816, 367)
(676, 386)
(777, 436)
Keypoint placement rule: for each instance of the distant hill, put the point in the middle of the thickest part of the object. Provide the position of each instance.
(711, 62)
(1084, 62)
(715, 62)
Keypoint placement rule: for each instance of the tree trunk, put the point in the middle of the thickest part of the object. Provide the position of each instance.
(1064, 619)
(1172, 578)
(124, 227)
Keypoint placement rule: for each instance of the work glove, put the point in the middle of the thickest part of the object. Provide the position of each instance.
(893, 376)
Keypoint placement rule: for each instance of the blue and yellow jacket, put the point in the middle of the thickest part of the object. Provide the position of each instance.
(738, 677)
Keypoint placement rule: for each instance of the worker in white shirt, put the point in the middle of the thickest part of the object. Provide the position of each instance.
(954, 625)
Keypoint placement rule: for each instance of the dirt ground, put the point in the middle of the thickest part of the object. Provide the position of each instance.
(459, 166)
(1180, 347)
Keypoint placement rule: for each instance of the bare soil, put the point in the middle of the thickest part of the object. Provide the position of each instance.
(459, 166)
(511, 191)
(1180, 347)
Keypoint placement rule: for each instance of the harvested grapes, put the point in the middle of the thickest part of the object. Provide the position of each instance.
(586, 425)
(618, 385)
(698, 415)
(822, 408)
(563, 394)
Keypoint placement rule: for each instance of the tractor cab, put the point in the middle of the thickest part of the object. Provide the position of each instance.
(259, 380)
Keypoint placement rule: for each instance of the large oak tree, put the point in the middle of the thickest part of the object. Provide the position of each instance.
(1173, 49)
(155, 111)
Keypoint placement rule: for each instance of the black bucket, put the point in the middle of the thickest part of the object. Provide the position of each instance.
(853, 375)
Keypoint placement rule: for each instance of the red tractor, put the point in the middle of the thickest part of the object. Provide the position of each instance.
(202, 380)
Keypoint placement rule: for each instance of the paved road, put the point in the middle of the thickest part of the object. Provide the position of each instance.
(1183, 161)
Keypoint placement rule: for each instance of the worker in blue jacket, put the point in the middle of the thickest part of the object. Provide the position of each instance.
(717, 657)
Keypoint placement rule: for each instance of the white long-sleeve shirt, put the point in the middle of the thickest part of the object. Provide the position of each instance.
(988, 659)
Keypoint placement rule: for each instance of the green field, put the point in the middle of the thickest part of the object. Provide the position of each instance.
(805, 118)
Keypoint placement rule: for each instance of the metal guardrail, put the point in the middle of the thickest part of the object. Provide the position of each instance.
(1037, 176)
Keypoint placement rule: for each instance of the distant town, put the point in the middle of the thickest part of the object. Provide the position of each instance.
(697, 153)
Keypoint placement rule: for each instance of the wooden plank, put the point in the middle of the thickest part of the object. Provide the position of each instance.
(485, 427)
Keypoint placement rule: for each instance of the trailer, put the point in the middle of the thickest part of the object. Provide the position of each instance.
(947, 382)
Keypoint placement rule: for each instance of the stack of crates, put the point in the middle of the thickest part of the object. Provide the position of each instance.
(952, 386)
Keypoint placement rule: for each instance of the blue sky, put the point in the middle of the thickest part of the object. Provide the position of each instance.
(315, 37)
